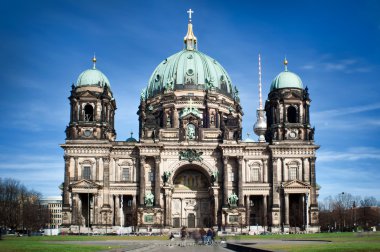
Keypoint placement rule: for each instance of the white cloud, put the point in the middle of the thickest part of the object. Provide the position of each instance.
(352, 154)
(326, 63)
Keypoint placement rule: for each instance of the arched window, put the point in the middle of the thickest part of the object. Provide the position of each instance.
(88, 113)
(292, 114)
(293, 170)
(254, 169)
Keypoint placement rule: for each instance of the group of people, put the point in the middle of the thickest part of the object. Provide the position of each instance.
(207, 237)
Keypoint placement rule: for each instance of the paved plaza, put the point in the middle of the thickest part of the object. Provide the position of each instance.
(161, 246)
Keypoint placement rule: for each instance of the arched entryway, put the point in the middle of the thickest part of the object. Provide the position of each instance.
(191, 204)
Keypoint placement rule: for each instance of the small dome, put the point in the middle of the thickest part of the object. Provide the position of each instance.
(93, 77)
(286, 79)
(131, 139)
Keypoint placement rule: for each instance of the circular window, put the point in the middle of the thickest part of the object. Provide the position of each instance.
(190, 56)
(190, 72)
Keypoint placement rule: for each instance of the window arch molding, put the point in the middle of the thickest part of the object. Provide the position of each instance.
(293, 170)
(255, 171)
(87, 169)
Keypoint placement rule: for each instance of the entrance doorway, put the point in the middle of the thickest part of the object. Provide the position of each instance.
(191, 220)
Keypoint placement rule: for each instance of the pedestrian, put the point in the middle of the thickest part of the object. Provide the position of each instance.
(183, 236)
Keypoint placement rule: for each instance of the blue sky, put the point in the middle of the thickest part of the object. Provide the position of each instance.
(332, 45)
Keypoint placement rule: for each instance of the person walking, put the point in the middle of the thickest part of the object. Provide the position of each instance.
(183, 236)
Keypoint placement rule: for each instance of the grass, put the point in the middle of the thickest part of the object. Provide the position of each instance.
(339, 242)
(51, 243)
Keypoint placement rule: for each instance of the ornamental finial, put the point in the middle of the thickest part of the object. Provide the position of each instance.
(94, 61)
(190, 11)
(286, 64)
(190, 39)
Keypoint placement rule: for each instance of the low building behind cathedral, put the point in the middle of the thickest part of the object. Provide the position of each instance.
(190, 166)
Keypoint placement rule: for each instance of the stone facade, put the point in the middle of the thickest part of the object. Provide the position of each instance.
(190, 166)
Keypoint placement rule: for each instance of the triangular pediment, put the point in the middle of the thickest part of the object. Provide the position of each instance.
(85, 184)
(88, 93)
(296, 184)
(191, 115)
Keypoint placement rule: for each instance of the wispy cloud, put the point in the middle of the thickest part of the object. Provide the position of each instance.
(352, 154)
(338, 119)
(348, 65)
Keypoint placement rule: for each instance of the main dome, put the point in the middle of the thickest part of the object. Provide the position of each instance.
(189, 69)
(93, 77)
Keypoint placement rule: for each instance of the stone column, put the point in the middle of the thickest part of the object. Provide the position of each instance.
(265, 210)
(66, 183)
(175, 122)
(303, 177)
(142, 181)
(157, 182)
(76, 169)
(248, 210)
(216, 204)
(117, 210)
(265, 171)
(225, 181)
(106, 182)
(97, 167)
(313, 190)
(283, 170)
(75, 208)
(240, 186)
(286, 208)
(276, 195)
(181, 221)
(168, 207)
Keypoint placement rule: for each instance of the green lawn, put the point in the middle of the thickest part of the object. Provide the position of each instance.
(41, 243)
(339, 242)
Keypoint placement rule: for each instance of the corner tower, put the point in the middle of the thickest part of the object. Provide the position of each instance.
(92, 107)
(292, 154)
(287, 109)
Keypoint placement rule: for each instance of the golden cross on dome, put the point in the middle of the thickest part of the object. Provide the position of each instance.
(190, 11)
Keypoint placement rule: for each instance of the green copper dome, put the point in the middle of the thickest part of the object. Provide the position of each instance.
(189, 69)
(286, 79)
(93, 77)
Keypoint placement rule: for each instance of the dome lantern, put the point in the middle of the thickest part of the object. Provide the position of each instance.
(190, 40)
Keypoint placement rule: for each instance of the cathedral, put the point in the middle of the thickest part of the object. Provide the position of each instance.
(190, 166)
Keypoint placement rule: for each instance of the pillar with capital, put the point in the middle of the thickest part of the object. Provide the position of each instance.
(168, 205)
(276, 194)
(157, 182)
(225, 181)
(66, 183)
(106, 162)
(240, 186)
(286, 209)
(117, 210)
(142, 181)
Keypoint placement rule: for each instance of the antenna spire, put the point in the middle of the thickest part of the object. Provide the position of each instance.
(260, 96)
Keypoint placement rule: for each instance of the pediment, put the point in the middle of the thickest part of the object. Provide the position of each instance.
(88, 94)
(191, 115)
(85, 184)
(296, 184)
